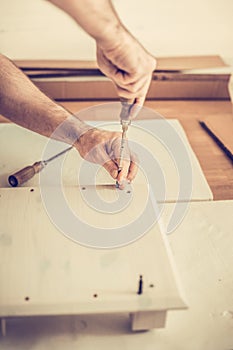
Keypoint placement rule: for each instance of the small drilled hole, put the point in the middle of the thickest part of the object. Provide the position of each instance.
(151, 285)
(83, 188)
(32, 190)
(128, 191)
(26, 298)
(95, 295)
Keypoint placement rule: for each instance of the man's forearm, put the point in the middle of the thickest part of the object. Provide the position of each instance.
(23, 103)
(97, 17)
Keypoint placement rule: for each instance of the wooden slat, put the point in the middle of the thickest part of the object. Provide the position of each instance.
(163, 86)
(163, 63)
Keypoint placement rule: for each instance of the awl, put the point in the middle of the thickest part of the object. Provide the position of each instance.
(28, 172)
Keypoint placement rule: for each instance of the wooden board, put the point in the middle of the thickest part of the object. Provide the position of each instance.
(42, 272)
(22, 140)
(163, 86)
(221, 130)
(202, 250)
(214, 163)
(163, 63)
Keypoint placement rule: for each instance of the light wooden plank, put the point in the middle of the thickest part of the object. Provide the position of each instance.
(23, 139)
(163, 63)
(163, 86)
(202, 249)
(44, 273)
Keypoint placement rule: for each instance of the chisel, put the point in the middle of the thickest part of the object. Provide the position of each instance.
(28, 172)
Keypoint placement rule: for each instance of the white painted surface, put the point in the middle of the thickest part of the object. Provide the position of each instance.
(16, 152)
(60, 277)
(202, 249)
(36, 29)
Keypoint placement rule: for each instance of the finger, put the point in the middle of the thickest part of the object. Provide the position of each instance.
(132, 86)
(125, 93)
(132, 172)
(140, 100)
(105, 65)
(137, 86)
(133, 168)
(135, 109)
(124, 78)
(111, 168)
(123, 174)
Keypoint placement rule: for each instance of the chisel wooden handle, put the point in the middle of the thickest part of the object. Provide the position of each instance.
(25, 174)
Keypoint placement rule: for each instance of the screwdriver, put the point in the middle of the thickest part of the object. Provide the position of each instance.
(126, 105)
(28, 172)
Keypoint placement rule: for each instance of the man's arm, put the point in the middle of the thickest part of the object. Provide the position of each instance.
(23, 103)
(98, 18)
(119, 55)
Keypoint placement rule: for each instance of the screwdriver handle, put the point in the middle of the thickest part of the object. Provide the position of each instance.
(126, 107)
(130, 101)
(25, 174)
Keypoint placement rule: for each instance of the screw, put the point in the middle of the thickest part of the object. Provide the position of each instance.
(140, 285)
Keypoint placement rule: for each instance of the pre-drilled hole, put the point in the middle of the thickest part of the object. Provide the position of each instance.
(151, 285)
(32, 190)
(26, 298)
(95, 295)
(128, 191)
(83, 188)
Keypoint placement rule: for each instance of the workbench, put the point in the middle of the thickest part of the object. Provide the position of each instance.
(215, 165)
(202, 249)
(201, 246)
(218, 171)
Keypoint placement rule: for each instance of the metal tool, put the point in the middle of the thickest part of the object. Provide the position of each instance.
(28, 172)
(125, 122)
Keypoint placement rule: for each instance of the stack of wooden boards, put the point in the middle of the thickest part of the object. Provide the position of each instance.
(82, 80)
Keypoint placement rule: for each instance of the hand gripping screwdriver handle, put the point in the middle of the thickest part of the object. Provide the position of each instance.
(25, 174)
(126, 105)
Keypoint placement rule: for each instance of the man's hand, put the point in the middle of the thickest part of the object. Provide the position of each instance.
(119, 55)
(103, 147)
(128, 64)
